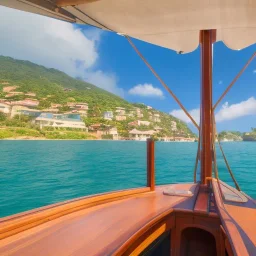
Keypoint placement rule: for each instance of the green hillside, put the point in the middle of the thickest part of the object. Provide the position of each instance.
(53, 86)
(230, 136)
(50, 82)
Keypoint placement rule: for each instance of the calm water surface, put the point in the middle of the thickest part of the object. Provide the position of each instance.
(38, 173)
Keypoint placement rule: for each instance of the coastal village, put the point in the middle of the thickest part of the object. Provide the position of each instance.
(76, 114)
(42, 103)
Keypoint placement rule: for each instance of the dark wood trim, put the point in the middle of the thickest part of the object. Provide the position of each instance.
(206, 104)
(143, 233)
(151, 164)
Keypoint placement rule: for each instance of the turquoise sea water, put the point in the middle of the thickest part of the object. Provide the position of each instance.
(38, 173)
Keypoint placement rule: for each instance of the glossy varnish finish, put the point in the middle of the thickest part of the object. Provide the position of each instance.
(129, 225)
(206, 40)
(98, 230)
(20, 222)
(151, 164)
(239, 222)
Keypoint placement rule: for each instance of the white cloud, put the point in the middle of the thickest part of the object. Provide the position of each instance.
(104, 80)
(52, 43)
(227, 112)
(146, 90)
(234, 111)
(220, 82)
(254, 71)
(179, 113)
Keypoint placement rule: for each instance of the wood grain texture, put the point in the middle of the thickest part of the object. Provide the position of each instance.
(17, 223)
(151, 164)
(98, 230)
(202, 201)
(239, 222)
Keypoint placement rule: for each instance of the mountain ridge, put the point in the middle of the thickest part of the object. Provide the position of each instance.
(51, 86)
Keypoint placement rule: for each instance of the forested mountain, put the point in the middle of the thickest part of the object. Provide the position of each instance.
(51, 82)
(53, 86)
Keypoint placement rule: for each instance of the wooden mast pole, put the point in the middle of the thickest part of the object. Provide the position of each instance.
(207, 37)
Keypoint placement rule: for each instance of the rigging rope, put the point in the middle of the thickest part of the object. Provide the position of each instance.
(214, 135)
(161, 81)
(223, 154)
(197, 157)
(235, 79)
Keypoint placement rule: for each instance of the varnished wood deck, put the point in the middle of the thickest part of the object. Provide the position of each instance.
(103, 224)
(239, 222)
(99, 230)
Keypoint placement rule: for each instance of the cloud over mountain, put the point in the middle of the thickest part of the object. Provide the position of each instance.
(55, 44)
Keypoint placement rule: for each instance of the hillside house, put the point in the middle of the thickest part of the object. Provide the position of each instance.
(173, 126)
(139, 123)
(9, 88)
(95, 127)
(157, 128)
(120, 118)
(5, 108)
(30, 94)
(60, 121)
(108, 115)
(29, 112)
(71, 104)
(141, 135)
(149, 107)
(81, 106)
(52, 110)
(139, 113)
(55, 105)
(120, 111)
(23, 110)
(27, 103)
(11, 94)
(131, 113)
(113, 131)
(155, 118)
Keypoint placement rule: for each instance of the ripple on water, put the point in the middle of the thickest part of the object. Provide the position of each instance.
(38, 173)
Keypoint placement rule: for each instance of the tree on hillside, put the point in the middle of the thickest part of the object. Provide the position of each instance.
(3, 116)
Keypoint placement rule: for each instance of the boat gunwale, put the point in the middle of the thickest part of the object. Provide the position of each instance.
(238, 247)
(17, 223)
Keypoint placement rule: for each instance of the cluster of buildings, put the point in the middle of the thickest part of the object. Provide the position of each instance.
(51, 117)
(120, 114)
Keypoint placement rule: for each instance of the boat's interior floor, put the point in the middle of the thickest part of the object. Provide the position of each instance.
(102, 229)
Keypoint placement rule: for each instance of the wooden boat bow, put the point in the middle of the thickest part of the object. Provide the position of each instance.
(215, 219)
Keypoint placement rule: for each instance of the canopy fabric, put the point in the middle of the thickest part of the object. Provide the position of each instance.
(174, 24)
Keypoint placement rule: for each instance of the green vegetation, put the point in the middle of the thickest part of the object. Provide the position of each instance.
(14, 132)
(230, 136)
(53, 86)
(3, 117)
(250, 136)
(18, 132)
(49, 84)
(68, 135)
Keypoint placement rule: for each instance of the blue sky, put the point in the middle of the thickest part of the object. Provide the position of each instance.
(182, 74)
(108, 61)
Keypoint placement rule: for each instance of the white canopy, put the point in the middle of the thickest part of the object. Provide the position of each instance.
(174, 24)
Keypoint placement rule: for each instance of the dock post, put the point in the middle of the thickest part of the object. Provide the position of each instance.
(151, 164)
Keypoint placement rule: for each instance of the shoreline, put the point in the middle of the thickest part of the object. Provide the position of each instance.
(31, 138)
